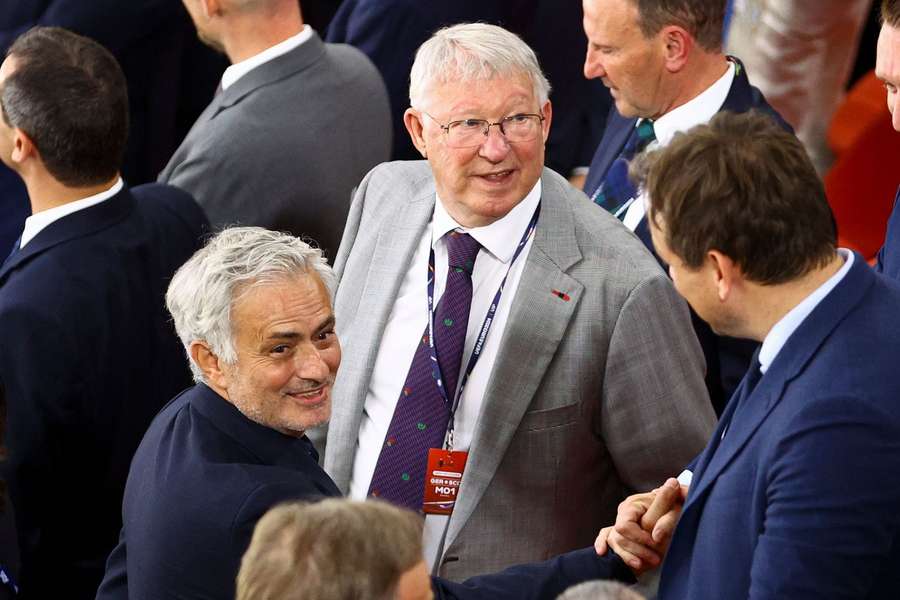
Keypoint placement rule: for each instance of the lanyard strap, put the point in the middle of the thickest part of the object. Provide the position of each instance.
(482, 336)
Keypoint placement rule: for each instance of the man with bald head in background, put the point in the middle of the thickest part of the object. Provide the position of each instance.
(665, 68)
(296, 125)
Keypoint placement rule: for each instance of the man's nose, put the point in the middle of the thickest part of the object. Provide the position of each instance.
(495, 146)
(311, 366)
(593, 66)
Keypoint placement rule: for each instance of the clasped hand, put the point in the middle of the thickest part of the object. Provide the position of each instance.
(644, 526)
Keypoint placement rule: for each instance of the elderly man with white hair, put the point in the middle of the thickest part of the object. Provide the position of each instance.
(253, 310)
(515, 360)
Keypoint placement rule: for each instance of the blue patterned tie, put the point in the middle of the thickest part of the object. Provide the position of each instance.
(421, 416)
(617, 188)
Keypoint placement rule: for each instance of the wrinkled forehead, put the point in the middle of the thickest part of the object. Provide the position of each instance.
(454, 92)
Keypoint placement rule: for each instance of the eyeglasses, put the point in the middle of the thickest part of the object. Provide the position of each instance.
(468, 133)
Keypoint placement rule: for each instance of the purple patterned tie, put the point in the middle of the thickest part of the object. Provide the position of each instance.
(421, 416)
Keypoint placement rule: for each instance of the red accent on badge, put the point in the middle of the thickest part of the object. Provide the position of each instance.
(561, 295)
(442, 479)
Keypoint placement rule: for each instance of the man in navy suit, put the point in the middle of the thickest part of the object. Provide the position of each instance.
(665, 68)
(887, 68)
(253, 309)
(796, 494)
(87, 356)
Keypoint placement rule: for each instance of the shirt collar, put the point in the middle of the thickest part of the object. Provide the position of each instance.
(238, 70)
(697, 111)
(500, 238)
(783, 329)
(39, 221)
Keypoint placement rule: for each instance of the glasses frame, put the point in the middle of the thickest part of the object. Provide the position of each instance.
(487, 126)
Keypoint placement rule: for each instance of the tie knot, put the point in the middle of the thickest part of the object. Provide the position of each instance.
(462, 249)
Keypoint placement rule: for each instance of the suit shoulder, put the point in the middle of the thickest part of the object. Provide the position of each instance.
(166, 204)
(601, 237)
(397, 181)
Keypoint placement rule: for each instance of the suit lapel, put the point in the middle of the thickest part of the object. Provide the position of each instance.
(618, 128)
(799, 350)
(298, 59)
(75, 225)
(537, 322)
(392, 254)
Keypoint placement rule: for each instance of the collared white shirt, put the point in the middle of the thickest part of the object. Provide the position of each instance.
(690, 114)
(408, 320)
(238, 70)
(783, 329)
(39, 221)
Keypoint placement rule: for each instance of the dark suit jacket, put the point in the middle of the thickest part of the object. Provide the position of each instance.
(390, 32)
(170, 77)
(889, 255)
(726, 358)
(87, 357)
(212, 473)
(799, 499)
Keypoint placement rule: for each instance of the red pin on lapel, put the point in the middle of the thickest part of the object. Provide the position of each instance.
(561, 295)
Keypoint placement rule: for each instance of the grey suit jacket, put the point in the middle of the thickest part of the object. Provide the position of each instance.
(284, 146)
(589, 399)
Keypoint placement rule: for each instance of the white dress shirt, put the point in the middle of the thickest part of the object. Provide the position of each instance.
(408, 320)
(39, 221)
(238, 70)
(695, 112)
(783, 329)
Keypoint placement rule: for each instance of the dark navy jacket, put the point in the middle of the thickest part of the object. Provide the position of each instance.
(205, 474)
(87, 358)
(889, 255)
(799, 499)
(726, 358)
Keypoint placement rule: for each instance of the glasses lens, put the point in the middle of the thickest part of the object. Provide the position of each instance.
(470, 132)
(521, 128)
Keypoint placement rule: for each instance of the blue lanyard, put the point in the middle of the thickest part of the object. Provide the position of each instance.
(482, 336)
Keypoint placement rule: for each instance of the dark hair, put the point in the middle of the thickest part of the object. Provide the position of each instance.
(703, 19)
(745, 187)
(68, 94)
(890, 12)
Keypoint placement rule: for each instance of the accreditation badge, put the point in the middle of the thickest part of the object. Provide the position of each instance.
(442, 479)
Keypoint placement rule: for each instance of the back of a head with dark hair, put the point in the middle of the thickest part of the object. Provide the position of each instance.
(336, 549)
(703, 19)
(68, 94)
(745, 187)
(890, 13)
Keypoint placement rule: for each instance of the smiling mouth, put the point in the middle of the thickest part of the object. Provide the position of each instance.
(310, 397)
(497, 176)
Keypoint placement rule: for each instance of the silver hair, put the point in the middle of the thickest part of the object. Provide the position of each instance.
(599, 590)
(204, 290)
(471, 52)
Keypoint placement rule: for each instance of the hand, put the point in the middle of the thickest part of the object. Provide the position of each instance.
(644, 526)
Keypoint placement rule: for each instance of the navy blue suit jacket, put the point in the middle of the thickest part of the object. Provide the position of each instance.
(726, 358)
(800, 498)
(205, 474)
(390, 31)
(170, 77)
(889, 255)
(87, 358)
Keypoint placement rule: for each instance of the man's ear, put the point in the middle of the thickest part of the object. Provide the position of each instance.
(547, 113)
(23, 147)
(413, 121)
(211, 7)
(678, 47)
(210, 364)
(726, 272)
